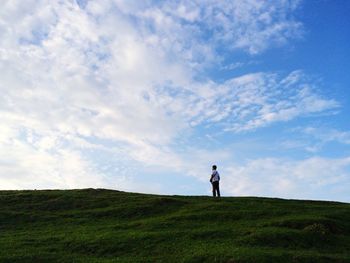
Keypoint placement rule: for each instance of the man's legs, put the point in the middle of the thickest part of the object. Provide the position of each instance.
(216, 189)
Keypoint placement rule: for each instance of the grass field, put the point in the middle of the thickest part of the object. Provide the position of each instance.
(96, 225)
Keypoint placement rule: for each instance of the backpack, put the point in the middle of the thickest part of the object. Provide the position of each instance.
(217, 174)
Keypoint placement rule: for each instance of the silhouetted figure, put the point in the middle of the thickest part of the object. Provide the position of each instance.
(214, 179)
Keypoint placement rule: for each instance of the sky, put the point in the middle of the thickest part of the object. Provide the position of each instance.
(145, 96)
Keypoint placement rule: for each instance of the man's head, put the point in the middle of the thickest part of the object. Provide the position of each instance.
(214, 167)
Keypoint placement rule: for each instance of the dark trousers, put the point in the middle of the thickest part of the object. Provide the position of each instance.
(216, 189)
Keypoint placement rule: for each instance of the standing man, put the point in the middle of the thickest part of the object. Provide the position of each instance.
(214, 179)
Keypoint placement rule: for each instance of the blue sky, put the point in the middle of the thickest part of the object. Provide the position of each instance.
(146, 96)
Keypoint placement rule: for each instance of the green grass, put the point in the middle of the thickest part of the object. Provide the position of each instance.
(95, 225)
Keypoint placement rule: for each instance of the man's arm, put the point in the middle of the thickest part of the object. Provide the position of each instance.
(211, 178)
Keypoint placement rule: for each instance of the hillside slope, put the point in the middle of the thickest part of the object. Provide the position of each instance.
(96, 225)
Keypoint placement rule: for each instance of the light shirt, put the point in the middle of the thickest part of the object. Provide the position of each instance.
(216, 176)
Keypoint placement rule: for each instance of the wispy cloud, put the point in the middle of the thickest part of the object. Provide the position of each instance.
(254, 100)
(325, 134)
(314, 139)
(127, 78)
(314, 178)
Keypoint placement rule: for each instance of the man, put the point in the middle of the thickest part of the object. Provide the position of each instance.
(214, 179)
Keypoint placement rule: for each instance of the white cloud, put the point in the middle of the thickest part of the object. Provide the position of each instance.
(26, 165)
(313, 178)
(314, 139)
(131, 74)
(257, 100)
(249, 25)
(324, 134)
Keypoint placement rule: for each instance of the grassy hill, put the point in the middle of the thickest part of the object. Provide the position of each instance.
(95, 225)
